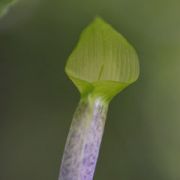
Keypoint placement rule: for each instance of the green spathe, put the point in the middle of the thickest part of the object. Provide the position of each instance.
(4, 6)
(103, 62)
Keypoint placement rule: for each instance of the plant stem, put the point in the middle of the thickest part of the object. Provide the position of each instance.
(84, 139)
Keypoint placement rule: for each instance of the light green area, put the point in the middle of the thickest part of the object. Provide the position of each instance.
(4, 6)
(103, 62)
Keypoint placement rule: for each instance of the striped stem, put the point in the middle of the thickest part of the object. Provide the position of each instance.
(84, 139)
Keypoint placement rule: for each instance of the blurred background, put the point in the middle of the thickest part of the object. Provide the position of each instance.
(37, 101)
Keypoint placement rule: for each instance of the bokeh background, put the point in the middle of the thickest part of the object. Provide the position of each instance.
(37, 101)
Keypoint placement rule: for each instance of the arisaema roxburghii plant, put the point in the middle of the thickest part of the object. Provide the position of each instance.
(5, 5)
(102, 64)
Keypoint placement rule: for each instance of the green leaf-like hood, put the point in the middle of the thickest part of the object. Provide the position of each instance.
(103, 62)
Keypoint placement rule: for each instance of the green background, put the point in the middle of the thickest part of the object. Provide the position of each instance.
(37, 101)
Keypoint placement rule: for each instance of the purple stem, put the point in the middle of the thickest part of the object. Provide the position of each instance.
(83, 142)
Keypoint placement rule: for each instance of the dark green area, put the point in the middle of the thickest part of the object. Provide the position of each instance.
(37, 101)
